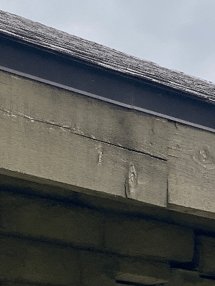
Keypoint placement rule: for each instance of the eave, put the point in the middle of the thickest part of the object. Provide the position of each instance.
(98, 71)
(75, 122)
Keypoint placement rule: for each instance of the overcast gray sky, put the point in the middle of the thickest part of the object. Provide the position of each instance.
(177, 34)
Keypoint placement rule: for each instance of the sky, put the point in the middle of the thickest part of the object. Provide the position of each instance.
(176, 34)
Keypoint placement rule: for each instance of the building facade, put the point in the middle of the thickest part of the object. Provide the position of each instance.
(107, 165)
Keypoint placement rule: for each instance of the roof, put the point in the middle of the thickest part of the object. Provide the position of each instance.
(64, 43)
(49, 128)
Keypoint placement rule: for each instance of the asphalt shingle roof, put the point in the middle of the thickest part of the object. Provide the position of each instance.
(64, 43)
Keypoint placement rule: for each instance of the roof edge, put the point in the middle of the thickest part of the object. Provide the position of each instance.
(58, 41)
